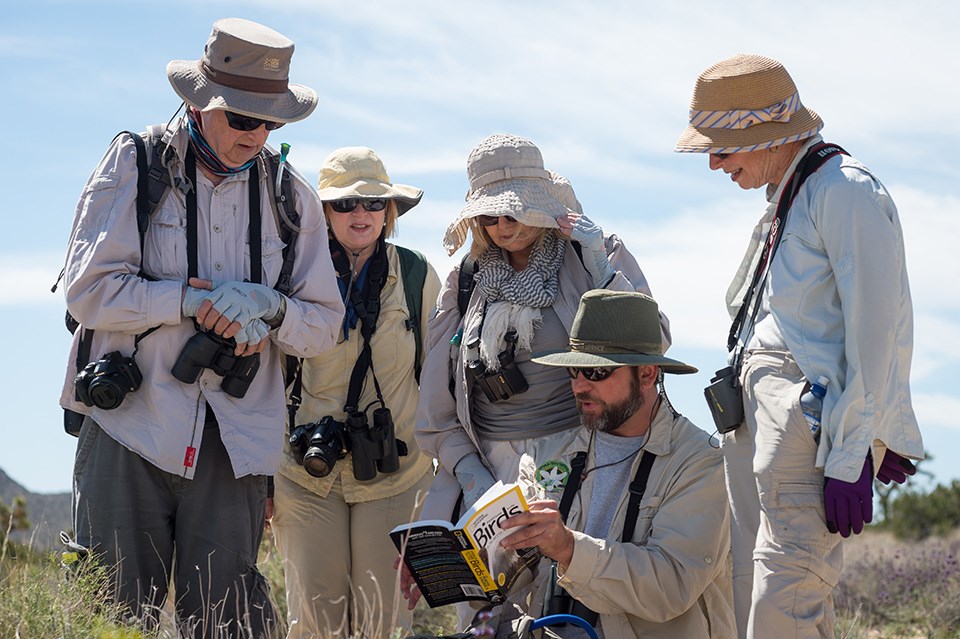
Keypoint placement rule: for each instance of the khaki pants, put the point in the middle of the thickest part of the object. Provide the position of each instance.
(776, 497)
(338, 561)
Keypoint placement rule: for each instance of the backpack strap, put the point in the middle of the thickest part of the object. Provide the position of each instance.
(466, 282)
(413, 274)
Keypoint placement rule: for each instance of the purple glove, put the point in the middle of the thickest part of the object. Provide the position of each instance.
(895, 468)
(849, 506)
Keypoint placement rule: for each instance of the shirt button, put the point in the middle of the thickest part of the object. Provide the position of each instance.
(709, 560)
(218, 266)
(217, 228)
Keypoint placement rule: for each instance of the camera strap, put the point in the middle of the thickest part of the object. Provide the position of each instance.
(812, 160)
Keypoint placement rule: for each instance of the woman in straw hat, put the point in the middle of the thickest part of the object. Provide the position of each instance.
(833, 302)
(521, 298)
(334, 512)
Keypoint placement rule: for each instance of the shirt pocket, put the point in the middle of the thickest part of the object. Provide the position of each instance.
(165, 248)
(271, 259)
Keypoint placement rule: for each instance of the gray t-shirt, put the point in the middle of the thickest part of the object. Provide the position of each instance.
(547, 406)
(614, 458)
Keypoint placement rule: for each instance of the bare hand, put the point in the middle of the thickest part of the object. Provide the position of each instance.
(408, 587)
(542, 527)
(567, 222)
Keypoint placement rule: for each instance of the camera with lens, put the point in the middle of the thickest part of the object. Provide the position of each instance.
(725, 398)
(558, 601)
(209, 350)
(105, 382)
(500, 384)
(318, 445)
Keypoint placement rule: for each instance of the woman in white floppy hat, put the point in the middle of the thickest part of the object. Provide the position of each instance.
(521, 298)
(331, 528)
(833, 302)
(174, 481)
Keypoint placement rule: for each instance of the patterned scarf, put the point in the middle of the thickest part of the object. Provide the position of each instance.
(514, 299)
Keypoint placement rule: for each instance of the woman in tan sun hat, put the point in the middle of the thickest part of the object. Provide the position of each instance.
(832, 306)
(174, 481)
(521, 296)
(331, 528)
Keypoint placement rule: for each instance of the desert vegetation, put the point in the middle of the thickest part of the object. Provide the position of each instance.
(901, 581)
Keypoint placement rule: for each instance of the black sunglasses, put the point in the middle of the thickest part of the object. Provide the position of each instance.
(350, 203)
(594, 374)
(246, 123)
(492, 220)
(721, 156)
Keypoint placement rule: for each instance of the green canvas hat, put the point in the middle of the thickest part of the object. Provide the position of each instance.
(614, 328)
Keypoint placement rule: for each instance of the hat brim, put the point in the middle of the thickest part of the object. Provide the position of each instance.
(194, 88)
(578, 359)
(803, 124)
(529, 201)
(404, 195)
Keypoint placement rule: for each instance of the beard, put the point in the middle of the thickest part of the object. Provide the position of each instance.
(612, 416)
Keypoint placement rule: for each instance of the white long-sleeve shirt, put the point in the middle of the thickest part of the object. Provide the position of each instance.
(163, 420)
(837, 297)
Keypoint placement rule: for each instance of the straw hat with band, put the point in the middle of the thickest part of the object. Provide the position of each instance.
(746, 103)
(244, 69)
(614, 328)
(507, 177)
(356, 171)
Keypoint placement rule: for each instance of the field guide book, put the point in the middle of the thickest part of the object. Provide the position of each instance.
(464, 561)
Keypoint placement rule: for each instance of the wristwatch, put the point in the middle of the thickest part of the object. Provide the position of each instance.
(277, 320)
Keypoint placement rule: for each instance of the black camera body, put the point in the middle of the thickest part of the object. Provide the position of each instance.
(501, 384)
(105, 382)
(318, 445)
(725, 398)
(209, 350)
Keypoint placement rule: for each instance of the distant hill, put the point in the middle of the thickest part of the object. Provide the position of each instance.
(48, 514)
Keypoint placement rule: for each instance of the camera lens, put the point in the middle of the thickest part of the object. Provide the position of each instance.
(106, 394)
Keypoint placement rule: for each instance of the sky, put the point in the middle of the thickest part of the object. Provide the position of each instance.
(602, 87)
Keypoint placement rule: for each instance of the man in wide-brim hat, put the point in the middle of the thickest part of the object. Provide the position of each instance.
(833, 302)
(667, 576)
(171, 478)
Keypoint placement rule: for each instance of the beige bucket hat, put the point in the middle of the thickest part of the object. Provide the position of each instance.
(507, 177)
(614, 328)
(356, 171)
(245, 68)
(746, 103)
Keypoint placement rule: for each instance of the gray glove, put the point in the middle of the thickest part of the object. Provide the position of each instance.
(244, 302)
(192, 298)
(590, 237)
(474, 478)
(253, 332)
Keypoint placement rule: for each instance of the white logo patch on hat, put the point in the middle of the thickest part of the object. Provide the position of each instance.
(271, 64)
(552, 475)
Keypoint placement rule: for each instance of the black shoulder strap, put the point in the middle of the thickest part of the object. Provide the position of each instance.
(573, 483)
(637, 487)
(413, 274)
(814, 158)
(466, 282)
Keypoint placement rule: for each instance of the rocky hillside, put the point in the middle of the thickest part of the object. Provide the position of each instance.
(48, 514)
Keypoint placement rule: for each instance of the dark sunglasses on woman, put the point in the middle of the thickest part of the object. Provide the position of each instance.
(348, 204)
(492, 220)
(247, 123)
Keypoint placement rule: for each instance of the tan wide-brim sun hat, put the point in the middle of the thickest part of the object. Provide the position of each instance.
(614, 328)
(356, 171)
(245, 69)
(507, 177)
(746, 103)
